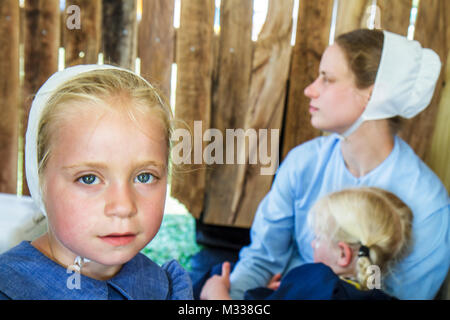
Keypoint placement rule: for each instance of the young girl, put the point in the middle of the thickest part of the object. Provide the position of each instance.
(97, 149)
(360, 234)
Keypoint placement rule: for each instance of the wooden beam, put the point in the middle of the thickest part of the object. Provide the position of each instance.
(270, 69)
(430, 32)
(395, 15)
(312, 37)
(9, 94)
(156, 43)
(193, 97)
(270, 72)
(120, 33)
(230, 101)
(82, 45)
(438, 156)
(351, 15)
(41, 43)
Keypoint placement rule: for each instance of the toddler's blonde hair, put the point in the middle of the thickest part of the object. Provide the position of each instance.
(367, 216)
(102, 86)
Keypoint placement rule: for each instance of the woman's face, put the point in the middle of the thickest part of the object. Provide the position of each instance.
(105, 184)
(336, 103)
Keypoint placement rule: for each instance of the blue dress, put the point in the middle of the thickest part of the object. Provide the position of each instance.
(315, 281)
(281, 238)
(26, 273)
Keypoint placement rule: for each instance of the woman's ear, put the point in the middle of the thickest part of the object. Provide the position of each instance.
(369, 93)
(345, 254)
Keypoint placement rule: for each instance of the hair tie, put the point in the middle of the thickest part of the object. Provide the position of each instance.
(363, 251)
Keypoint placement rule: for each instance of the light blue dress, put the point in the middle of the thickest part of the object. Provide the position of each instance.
(281, 238)
(27, 274)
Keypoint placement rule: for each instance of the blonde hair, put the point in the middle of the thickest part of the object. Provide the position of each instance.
(366, 216)
(100, 86)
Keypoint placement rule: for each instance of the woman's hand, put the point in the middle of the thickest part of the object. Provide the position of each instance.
(218, 287)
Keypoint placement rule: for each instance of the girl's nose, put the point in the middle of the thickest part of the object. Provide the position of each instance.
(120, 201)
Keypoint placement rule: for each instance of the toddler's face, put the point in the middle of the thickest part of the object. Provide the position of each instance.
(325, 251)
(105, 183)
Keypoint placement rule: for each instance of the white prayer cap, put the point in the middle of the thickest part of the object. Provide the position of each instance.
(405, 80)
(37, 107)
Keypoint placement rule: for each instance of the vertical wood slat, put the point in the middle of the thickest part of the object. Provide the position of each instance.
(194, 57)
(230, 100)
(41, 43)
(156, 42)
(352, 14)
(429, 31)
(312, 36)
(270, 72)
(9, 94)
(119, 33)
(395, 15)
(83, 45)
(438, 157)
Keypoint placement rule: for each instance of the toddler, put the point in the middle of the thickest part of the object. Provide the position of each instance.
(360, 234)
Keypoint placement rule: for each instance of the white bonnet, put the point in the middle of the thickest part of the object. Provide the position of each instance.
(405, 80)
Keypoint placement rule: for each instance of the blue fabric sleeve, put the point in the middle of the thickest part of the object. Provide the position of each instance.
(420, 275)
(180, 282)
(272, 241)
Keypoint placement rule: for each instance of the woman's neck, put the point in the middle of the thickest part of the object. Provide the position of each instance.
(367, 147)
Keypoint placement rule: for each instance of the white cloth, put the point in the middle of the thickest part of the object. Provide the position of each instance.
(19, 220)
(405, 80)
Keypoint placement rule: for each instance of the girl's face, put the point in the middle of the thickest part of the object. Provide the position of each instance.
(325, 251)
(336, 102)
(339, 256)
(105, 184)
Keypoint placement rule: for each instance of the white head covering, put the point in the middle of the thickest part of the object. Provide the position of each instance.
(37, 108)
(405, 81)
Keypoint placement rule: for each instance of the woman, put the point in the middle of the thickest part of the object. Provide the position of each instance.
(366, 80)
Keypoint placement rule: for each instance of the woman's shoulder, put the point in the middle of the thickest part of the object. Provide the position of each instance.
(311, 151)
(302, 163)
(316, 144)
(409, 167)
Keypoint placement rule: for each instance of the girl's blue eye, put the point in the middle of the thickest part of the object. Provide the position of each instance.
(88, 179)
(144, 178)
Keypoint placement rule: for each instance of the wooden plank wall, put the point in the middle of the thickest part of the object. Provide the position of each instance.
(312, 37)
(82, 46)
(438, 157)
(224, 79)
(230, 100)
(9, 94)
(42, 21)
(156, 43)
(194, 54)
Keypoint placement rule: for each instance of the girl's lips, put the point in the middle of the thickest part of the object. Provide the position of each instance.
(117, 239)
